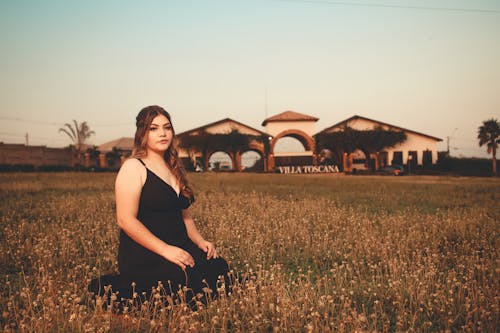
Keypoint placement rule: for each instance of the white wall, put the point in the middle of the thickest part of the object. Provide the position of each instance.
(418, 143)
(276, 127)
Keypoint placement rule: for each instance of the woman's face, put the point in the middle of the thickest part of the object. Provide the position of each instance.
(160, 134)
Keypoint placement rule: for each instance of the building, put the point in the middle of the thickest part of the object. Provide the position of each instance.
(419, 149)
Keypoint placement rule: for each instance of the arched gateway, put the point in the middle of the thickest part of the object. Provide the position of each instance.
(295, 125)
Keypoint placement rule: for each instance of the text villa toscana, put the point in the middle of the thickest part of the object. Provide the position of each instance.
(308, 169)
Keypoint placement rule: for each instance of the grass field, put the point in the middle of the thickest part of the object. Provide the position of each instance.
(323, 252)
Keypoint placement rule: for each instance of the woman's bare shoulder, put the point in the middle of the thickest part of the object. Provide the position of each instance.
(132, 162)
(131, 169)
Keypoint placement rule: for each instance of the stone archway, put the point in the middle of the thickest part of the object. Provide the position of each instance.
(218, 165)
(259, 148)
(305, 139)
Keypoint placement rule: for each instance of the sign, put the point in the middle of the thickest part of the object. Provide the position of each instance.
(308, 169)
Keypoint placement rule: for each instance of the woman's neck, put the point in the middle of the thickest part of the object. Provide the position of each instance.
(155, 158)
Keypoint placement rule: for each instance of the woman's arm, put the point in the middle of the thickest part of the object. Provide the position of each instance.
(196, 237)
(128, 187)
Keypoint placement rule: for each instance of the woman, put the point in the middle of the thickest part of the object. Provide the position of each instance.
(158, 238)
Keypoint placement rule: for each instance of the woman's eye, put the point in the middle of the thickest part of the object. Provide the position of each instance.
(152, 128)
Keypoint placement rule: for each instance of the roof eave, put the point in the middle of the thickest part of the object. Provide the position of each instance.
(380, 122)
(219, 122)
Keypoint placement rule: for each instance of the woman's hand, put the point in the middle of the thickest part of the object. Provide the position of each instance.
(196, 238)
(208, 248)
(179, 257)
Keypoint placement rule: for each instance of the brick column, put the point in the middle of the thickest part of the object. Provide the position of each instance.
(102, 160)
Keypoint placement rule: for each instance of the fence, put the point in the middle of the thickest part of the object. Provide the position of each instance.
(34, 156)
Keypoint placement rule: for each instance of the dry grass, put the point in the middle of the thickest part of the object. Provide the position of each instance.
(324, 253)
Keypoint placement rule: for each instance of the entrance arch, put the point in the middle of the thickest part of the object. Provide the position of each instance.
(303, 137)
(287, 144)
(276, 158)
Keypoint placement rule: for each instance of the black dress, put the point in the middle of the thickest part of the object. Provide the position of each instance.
(160, 210)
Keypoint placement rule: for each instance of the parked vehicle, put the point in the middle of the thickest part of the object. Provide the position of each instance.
(198, 168)
(396, 170)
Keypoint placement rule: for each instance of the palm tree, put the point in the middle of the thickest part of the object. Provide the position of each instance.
(78, 133)
(489, 135)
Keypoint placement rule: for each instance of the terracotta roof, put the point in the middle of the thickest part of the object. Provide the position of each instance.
(121, 143)
(378, 122)
(225, 120)
(289, 116)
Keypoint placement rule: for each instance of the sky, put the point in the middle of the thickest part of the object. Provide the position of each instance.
(431, 66)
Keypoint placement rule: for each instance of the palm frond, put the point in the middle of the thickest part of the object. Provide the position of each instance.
(69, 131)
(78, 133)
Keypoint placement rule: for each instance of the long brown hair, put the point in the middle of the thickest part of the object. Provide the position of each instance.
(143, 122)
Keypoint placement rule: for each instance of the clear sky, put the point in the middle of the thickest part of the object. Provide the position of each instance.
(432, 66)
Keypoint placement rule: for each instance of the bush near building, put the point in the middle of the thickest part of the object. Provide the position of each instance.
(465, 166)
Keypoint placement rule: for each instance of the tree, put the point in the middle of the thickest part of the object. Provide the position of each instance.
(373, 141)
(78, 133)
(232, 143)
(338, 142)
(368, 141)
(195, 143)
(489, 135)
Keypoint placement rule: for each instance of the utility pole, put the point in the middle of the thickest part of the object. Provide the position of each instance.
(27, 139)
(266, 102)
(448, 141)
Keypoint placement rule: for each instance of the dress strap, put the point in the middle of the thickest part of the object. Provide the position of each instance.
(141, 162)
